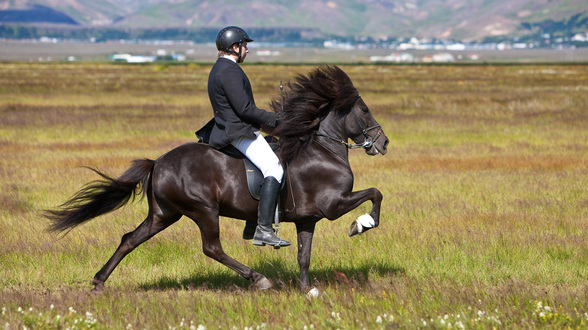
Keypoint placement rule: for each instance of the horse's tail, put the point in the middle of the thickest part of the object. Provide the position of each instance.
(102, 196)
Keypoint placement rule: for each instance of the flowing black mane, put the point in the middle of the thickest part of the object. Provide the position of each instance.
(310, 99)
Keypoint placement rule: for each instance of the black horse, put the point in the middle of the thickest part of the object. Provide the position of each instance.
(318, 115)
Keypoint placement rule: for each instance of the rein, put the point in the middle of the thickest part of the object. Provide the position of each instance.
(368, 141)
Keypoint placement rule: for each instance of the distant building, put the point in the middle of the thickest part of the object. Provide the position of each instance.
(580, 37)
(132, 58)
(456, 46)
(338, 45)
(394, 58)
(439, 58)
(267, 52)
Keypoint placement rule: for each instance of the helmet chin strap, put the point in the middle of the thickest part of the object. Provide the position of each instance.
(240, 49)
(238, 54)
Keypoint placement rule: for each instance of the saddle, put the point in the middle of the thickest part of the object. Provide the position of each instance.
(254, 175)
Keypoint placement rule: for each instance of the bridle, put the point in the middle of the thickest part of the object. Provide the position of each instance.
(368, 141)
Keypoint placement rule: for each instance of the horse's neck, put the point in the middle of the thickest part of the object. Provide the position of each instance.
(330, 137)
(326, 145)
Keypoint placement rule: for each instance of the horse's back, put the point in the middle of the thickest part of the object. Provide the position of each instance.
(195, 157)
(197, 174)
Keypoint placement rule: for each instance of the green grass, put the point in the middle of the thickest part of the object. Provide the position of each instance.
(484, 221)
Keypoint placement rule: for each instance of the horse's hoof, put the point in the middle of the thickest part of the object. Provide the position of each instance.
(98, 286)
(263, 284)
(353, 229)
(313, 293)
(362, 224)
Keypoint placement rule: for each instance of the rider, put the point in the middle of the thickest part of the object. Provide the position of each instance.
(237, 122)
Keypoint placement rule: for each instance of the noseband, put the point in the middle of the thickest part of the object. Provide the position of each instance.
(368, 141)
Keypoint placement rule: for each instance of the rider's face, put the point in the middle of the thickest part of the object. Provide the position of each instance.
(244, 50)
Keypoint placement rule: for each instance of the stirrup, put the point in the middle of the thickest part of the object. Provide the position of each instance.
(280, 244)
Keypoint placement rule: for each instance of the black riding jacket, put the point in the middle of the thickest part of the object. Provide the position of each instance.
(235, 112)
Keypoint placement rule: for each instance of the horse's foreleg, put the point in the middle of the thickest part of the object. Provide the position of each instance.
(151, 226)
(305, 233)
(212, 248)
(348, 201)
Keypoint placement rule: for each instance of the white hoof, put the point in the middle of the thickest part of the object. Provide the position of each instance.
(357, 226)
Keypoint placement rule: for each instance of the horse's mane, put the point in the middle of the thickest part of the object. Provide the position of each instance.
(309, 100)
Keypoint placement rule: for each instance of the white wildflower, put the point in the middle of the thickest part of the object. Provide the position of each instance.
(379, 319)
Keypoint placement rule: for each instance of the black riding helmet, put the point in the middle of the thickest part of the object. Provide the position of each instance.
(229, 36)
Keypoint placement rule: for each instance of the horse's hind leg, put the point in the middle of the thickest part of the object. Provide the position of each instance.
(211, 246)
(152, 225)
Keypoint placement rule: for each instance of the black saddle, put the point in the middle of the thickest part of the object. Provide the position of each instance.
(254, 175)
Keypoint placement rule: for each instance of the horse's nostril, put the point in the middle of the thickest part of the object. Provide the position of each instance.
(386, 143)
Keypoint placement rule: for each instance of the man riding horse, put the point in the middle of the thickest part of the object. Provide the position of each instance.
(318, 116)
(237, 123)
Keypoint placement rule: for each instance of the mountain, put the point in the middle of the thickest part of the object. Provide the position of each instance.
(457, 19)
(35, 13)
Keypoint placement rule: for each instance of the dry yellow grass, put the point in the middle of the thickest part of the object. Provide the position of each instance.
(484, 221)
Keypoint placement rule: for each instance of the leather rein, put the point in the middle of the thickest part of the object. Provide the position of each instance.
(368, 141)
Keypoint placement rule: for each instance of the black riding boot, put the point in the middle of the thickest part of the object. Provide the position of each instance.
(264, 233)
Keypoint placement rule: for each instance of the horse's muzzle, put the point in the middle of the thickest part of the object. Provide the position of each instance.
(379, 145)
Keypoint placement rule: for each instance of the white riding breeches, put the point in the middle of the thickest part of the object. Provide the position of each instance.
(261, 155)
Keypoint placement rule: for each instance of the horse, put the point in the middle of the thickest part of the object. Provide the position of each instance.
(317, 116)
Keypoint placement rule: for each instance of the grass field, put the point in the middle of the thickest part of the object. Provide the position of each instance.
(484, 222)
